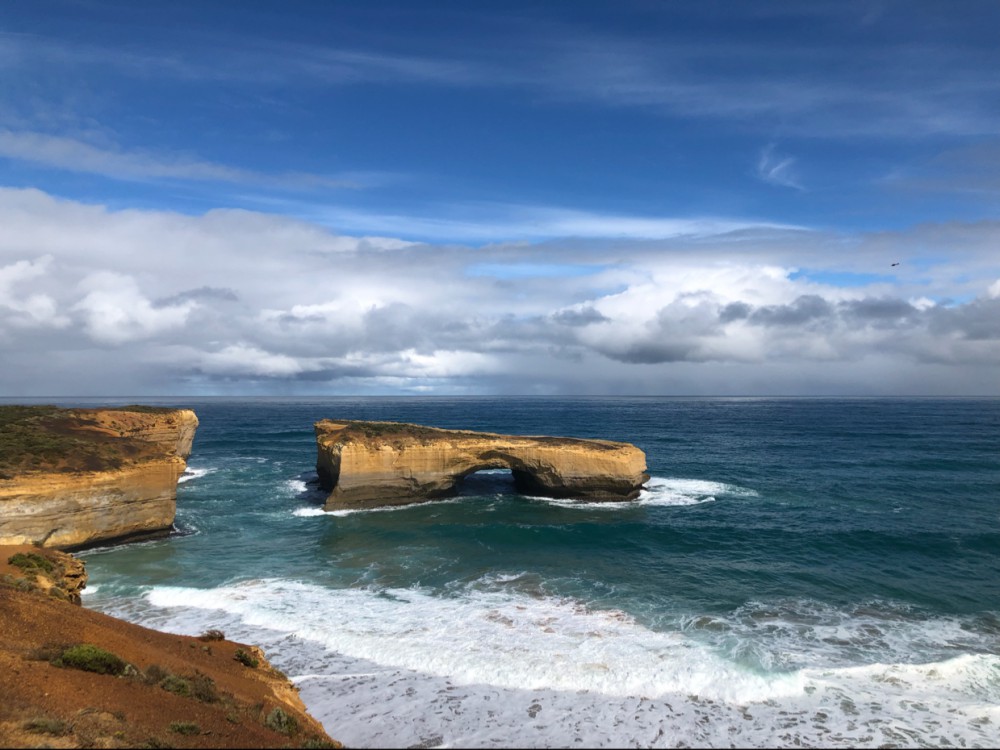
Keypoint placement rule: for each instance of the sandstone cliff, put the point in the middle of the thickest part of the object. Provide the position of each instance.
(370, 464)
(73, 477)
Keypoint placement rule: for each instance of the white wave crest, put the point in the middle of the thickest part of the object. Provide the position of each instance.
(192, 473)
(494, 667)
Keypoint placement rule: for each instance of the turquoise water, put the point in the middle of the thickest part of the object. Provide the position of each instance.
(819, 572)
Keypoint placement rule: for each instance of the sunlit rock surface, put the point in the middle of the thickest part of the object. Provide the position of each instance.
(74, 477)
(371, 464)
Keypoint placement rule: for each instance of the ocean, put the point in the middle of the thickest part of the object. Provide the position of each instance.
(798, 572)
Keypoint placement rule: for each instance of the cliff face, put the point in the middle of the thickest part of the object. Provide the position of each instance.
(89, 475)
(370, 464)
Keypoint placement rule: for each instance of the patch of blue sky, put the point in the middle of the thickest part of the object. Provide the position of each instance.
(841, 278)
(533, 270)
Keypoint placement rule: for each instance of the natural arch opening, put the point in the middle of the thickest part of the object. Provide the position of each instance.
(486, 482)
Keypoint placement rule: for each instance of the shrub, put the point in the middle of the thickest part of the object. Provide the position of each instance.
(184, 727)
(90, 658)
(176, 685)
(31, 562)
(246, 658)
(203, 688)
(280, 722)
(212, 635)
(154, 674)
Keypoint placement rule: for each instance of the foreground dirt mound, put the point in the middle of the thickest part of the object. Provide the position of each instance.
(71, 677)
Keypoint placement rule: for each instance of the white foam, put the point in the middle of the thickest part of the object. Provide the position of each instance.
(677, 491)
(307, 512)
(297, 486)
(192, 473)
(509, 640)
(661, 491)
(492, 667)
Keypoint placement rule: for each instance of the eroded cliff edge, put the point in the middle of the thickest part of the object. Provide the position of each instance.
(75, 477)
(371, 464)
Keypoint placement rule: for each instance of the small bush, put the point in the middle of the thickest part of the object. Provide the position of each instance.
(212, 635)
(203, 688)
(246, 658)
(281, 722)
(45, 726)
(31, 563)
(154, 674)
(176, 685)
(90, 658)
(155, 743)
(184, 727)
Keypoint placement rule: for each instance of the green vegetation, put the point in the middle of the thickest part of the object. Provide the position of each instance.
(281, 722)
(212, 635)
(90, 658)
(203, 688)
(45, 438)
(31, 563)
(198, 686)
(184, 727)
(43, 725)
(176, 685)
(21, 584)
(246, 659)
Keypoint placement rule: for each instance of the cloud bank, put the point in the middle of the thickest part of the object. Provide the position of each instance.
(95, 301)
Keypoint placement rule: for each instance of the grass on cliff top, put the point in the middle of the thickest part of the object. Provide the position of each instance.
(47, 438)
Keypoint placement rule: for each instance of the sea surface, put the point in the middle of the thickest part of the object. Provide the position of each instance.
(798, 572)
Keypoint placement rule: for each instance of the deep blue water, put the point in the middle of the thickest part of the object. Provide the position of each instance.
(828, 567)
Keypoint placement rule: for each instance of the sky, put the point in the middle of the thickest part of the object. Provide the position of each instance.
(546, 198)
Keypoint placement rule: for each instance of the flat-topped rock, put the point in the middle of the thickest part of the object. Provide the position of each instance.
(75, 477)
(372, 464)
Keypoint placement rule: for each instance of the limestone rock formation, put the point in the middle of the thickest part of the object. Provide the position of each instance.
(371, 464)
(74, 477)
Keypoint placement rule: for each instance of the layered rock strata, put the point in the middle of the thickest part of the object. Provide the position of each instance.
(371, 464)
(84, 476)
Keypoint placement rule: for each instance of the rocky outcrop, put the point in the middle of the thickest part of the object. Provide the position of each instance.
(76, 477)
(371, 464)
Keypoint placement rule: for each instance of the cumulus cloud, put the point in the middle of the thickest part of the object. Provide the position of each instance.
(115, 311)
(240, 300)
(21, 308)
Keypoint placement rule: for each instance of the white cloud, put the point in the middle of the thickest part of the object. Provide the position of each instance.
(242, 360)
(233, 298)
(79, 156)
(777, 169)
(28, 309)
(115, 311)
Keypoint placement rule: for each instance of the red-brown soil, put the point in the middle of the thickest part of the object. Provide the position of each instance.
(44, 705)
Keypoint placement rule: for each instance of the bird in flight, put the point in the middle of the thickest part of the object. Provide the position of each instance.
(896, 263)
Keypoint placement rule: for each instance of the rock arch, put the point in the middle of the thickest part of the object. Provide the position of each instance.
(372, 464)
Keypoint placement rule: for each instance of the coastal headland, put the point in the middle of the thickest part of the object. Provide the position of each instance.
(371, 464)
(76, 477)
(78, 678)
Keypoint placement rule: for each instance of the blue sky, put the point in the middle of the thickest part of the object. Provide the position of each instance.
(575, 156)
